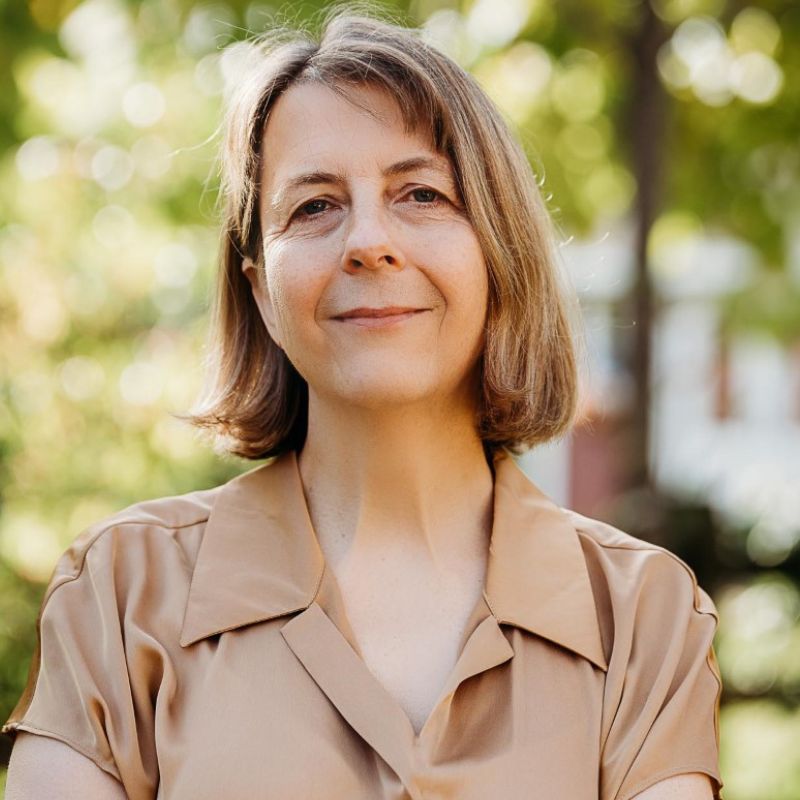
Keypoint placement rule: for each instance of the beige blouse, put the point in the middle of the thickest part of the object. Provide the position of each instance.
(196, 647)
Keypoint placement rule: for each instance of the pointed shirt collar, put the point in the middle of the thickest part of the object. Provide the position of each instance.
(260, 559)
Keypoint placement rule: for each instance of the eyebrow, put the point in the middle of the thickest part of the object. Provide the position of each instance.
(318, 177)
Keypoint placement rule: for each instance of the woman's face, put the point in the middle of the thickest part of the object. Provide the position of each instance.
(356, 213)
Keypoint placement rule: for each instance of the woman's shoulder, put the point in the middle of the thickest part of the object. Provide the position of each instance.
(631, 573)
(108, 629)
(152, 532)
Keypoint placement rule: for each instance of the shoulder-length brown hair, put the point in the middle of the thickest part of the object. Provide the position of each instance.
(254, 402)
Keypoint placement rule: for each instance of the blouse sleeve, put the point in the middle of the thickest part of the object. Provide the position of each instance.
(79, 688)
(663, 684)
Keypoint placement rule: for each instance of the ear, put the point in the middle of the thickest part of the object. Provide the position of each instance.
(258, 286)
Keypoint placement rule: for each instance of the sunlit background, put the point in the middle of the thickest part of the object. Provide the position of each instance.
(666, 138)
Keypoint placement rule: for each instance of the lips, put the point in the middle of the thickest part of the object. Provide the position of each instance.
(387, 311)
(380, 318)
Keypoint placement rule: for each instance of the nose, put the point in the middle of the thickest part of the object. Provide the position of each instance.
(370, 240)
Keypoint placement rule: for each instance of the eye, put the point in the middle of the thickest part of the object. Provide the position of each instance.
(313, 208)
(427, 196)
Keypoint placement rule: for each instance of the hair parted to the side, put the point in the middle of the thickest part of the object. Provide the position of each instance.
(254, 403)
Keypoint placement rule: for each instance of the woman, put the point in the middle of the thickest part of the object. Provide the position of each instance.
(388, 607)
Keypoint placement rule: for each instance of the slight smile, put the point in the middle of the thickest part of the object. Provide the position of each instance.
(383, 321)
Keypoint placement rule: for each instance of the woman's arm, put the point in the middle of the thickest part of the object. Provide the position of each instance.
(689, 786)
(44, 767)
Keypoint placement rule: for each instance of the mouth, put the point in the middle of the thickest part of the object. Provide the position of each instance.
(386, 311)
(379, 317)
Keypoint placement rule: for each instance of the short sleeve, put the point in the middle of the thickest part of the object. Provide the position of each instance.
(663, 685)
(79, 688)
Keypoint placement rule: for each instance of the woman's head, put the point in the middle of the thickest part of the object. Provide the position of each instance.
(367, 169)
(356, 212)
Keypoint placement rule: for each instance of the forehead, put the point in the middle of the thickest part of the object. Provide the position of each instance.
(314, 126)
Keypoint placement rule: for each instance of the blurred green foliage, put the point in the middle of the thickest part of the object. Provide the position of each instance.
(108, 113)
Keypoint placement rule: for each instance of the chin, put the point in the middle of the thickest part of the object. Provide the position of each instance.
(371, 393)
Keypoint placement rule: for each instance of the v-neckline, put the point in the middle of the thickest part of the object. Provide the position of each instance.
(330, 597)
(343, 676)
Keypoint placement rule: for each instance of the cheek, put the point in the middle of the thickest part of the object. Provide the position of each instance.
(296, 278)
(456, 265)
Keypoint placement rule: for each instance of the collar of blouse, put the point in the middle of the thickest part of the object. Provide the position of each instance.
(259, 559)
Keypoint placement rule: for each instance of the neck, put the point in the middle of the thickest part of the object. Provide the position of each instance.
(397, 482)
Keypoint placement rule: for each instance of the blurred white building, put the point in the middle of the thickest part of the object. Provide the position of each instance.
(725, 421)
